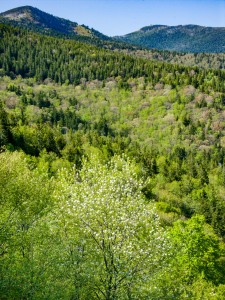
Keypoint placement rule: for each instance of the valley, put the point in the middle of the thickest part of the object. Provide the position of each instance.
(112, 167)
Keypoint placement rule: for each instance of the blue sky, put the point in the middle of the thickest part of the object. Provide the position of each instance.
(118, 17)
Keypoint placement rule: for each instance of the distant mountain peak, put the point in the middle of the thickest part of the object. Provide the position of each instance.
(21, 14)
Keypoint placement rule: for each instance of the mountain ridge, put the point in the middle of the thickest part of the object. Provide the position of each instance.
(29, 17)
(180, 38)
(160, 40)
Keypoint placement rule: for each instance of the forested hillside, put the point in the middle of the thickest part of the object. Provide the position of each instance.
(181, 38)
(200, 60)
(112, 174)
(37, 21)
(31, 55)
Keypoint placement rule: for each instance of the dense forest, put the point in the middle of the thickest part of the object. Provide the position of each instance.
(112, 174)
(200, 60)
(181, 38)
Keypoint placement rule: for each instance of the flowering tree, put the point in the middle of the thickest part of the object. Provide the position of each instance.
(113, 233)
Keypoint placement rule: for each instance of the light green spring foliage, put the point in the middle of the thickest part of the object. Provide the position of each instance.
(25, 199)
(85, 235)
(91, 234)
(112, 230)
(198, 261)
(155, 116)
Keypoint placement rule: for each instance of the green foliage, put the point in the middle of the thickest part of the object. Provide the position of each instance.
(188, 38)
(121, 244)
(104, 238)
(197, 267)
(32, 55)
(178, 144)
(26, 198)
(106, 168)
(200, 60)
(198, 248)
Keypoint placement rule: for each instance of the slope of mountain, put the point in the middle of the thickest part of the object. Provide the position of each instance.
(170, 118)
(188, 38)
(201, 60)
(32, 18)
(136, 44)
(112, 173)
(32, 55)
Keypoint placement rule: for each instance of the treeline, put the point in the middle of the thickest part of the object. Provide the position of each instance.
(32, 55)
